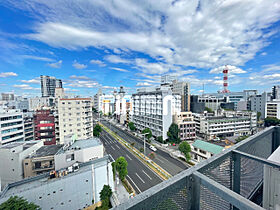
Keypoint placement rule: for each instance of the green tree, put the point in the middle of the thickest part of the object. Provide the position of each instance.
(185, 148)
(271, 121)
(148, 133)
(160, 139)
(141, 149)
(94, 110)
(97, 130)
(105, 193)
(259, 114)
(208, 110)
(173, 133)
(121, 167)
(18, 203)
(152, 155)
(131, 126)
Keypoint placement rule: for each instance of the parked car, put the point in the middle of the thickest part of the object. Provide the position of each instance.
(153, 148)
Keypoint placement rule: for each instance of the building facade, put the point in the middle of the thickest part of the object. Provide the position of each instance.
(11, 126)
(228, 124)
(257, 103)
(44, 123)
(28, 126)
(202, 150)
(183, 89)
(40, 161)
(11, 157)
(75, 118)
(65, 189)
(272, 109)
(48, 85)
(186, 124)
(153, 108)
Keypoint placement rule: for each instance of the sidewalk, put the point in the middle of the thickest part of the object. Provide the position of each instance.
(121, 193)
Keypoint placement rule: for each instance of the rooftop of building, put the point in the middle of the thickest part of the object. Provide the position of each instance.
(36, 181)
(25, 144)
(82, 144)
(46, 150)
(209, 147)
(73, 99)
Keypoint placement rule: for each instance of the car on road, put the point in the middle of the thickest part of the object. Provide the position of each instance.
(153, 148)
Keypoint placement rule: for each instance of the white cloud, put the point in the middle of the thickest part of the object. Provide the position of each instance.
(271, 67)
(143, 84)
(116, 59)
(33, 57)
(188, 33)
(79, 65)
(55, 65)
(80, 77)
(98, 62)
(32, 81)
(264, 53)
(119, 69)
(8, 74)
(25, 87)
(232, 70)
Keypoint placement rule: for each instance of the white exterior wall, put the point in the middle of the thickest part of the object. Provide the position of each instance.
(197, 155)
(272, 109)
(154, 110)
(82, 155)
(75, 118)
(11, 162)
(9, 130)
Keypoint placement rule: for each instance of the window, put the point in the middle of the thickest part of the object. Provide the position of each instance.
(70, 157)
(26, 164)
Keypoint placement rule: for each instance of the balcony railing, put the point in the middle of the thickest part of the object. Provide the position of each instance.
(232, 179)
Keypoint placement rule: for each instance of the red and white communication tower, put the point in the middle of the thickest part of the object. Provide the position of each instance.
(225, 72)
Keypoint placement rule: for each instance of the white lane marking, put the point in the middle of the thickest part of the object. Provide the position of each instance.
(147, 175)
(159, 160)
(128, 157)
(134, 183)
(140, 178)
(113, 148)
(118, 146)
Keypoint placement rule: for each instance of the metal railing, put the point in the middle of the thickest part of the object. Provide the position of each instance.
(230, 180)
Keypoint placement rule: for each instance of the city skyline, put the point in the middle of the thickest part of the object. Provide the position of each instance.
(90, 45)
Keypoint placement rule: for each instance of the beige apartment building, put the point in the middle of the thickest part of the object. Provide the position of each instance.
(75, 118)
(186, 124)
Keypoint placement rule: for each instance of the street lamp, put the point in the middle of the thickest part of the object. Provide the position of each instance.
(144, 134)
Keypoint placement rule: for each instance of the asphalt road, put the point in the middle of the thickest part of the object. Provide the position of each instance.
(162, 158)
(139, 175)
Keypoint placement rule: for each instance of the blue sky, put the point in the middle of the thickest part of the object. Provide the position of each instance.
(93, 44)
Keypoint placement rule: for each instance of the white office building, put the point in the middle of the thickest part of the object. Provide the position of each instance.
(75, 118)
(11, 126)
(153, 108)
(257, 103)
(229, 124)
(272, 109)
(11, 157)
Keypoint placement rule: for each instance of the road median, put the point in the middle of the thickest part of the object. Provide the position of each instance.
(151, 164)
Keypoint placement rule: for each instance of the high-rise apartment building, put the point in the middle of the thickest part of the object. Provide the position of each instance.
(44, 122)
(275, 92)
(153, 108)
(48, 85)
(75, 118)
(11, 126)
(7, 96)
(28, 126)
(183, 89)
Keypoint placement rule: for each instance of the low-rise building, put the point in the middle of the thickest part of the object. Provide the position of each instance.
(186, 124)
(78, 151)
(41, 161)
(11, 157)
(227, 124)
(65, 189)
(202, 150)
